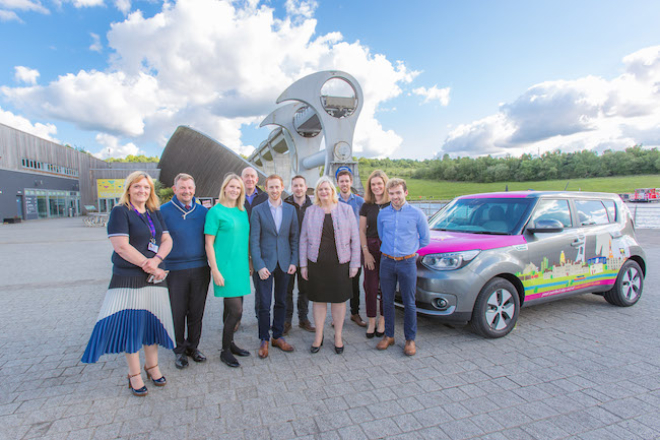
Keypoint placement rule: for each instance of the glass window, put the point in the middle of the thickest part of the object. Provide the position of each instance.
(482, 215)
(611, 209)
(591, 212)
(553, 209)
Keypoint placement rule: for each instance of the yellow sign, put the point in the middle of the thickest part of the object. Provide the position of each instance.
(109, 188)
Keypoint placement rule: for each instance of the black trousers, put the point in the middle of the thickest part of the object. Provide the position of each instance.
(355, 299)
(188, 289)
(303, 302)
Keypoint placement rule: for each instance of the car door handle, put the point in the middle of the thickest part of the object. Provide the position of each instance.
(577, 243)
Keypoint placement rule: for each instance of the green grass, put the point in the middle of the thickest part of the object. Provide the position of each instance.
(445, 190)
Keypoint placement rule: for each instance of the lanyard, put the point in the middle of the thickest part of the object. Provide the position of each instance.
(152, 228)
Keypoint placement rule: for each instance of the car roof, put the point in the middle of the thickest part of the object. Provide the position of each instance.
(539, 194)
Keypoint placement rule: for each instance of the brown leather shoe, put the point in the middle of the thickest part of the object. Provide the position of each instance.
(307, 326)
(385, 343)
(409, 349)
(358, 320)
(263, 350)
(281, 344)
(287, 327)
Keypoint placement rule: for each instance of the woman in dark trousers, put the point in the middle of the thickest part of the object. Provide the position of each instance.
(375, 199)
(136, 311)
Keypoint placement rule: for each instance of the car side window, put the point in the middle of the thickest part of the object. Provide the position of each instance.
(591, 212)
(611, 209)
(553, 209)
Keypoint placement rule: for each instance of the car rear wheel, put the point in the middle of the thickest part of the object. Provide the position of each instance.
(628, 286)
(496, 310)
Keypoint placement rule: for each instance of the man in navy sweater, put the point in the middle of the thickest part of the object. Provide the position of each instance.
(189, 277)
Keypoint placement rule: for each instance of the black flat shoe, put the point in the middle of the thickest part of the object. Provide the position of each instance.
(314, 349)
(229, 359)
(181, 361)
(380, 334)
(371, 335)
(196, 355)
(238, 351)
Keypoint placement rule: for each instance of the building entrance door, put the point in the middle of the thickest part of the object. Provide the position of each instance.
(19, 207)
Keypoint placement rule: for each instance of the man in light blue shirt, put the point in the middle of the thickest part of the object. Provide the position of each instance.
(345, 181)
(404, 230)
(274, 236)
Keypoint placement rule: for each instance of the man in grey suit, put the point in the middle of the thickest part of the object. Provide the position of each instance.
(274, 239)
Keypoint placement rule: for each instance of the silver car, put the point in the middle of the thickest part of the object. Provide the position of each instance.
(490, 254)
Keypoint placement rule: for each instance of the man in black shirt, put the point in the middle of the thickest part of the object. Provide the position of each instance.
(300, 200)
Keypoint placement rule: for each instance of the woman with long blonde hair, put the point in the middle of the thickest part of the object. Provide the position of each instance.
(329, 258)
(136, 311)
(227, 234)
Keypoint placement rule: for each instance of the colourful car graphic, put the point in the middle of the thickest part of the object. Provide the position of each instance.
(491, 254)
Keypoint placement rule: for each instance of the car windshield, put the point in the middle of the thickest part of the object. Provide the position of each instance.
(495, 216)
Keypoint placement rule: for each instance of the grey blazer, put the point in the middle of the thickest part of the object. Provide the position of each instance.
(269, 247)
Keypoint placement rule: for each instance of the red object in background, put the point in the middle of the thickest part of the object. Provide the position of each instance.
(646, 195)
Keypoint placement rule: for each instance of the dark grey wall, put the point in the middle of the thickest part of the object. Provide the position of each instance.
(13, 183)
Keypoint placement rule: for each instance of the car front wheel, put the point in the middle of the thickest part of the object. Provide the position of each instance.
(628, 286)
(496, 310)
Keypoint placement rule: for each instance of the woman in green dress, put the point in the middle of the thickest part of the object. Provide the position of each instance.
(227, 232)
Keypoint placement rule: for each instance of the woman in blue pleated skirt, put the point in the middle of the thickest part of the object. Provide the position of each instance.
(136, 311)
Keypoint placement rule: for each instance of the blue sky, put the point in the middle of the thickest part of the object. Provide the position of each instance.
(465, 78)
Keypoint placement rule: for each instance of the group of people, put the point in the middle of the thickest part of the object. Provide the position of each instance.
(165, 257)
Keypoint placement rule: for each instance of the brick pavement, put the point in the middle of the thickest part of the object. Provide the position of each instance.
(574, 369)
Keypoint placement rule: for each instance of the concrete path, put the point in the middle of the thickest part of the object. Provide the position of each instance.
(573, 369)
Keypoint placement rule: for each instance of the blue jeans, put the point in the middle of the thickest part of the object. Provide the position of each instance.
(264, 299)
(405, 273)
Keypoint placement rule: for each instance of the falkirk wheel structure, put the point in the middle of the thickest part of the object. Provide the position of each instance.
(314, 128)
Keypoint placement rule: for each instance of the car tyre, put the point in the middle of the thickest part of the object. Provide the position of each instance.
(628, 286)
(496, 310)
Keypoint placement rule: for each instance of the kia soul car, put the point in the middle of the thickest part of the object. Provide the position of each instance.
(491, 254)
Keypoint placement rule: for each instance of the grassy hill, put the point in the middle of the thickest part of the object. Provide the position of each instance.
(445, 190)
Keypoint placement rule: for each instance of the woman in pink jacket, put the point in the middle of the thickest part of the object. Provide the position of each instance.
(329, 257)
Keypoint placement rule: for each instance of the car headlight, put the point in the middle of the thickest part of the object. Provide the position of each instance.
(449, 261)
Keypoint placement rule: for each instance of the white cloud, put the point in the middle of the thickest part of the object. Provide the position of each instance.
(301, 8)
(216, 66)
(96, 45)
(434, 94)
(586, 113)
(23, 5)
(44, 131)
(9, 16)
(26, 75)
(112, 148)
(123, 5)
(86, 3)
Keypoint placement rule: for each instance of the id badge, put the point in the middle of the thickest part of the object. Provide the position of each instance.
(153, 247)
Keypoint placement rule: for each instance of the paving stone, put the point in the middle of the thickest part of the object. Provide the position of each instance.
(565, 372)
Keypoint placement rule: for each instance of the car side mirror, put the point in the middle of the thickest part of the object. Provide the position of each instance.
(546, 226)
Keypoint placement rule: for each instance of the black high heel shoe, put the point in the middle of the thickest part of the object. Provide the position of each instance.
(158, 382)
(379, 334)
(140, 391)
(370, 335)
(339, 350)
(315, 349)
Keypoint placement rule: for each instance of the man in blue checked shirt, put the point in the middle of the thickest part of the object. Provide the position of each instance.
(404, 230)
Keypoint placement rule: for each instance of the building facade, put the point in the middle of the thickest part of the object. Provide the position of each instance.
(41, 179)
